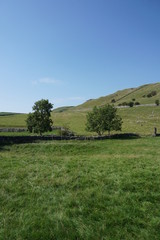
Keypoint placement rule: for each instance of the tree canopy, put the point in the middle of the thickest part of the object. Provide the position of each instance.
(39, 120)
(103, 119)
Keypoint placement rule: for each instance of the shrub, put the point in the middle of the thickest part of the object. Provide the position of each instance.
(65, 131)
(157, 102)
(124, 104)
(113, 100)
(151, 94)
(130, 104)
(137, 103)
(154, 93)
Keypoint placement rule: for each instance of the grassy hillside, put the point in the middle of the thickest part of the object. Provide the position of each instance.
(139, 94)
(15, 120)
(80, 190)
(62, 109)
(7, 113)
(140, 119)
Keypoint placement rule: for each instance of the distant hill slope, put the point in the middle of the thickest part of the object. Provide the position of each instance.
(62, 109)
(139, 94)
(7, 113)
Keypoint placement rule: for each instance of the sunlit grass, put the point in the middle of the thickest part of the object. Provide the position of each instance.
(80, 190)
(141, 120)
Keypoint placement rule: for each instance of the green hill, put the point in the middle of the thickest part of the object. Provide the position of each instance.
(140, 94)
(62, 109)
(8, 113)
(140, 119)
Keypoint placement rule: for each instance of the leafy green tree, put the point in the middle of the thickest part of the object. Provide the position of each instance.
(39, 120)
(103, 119)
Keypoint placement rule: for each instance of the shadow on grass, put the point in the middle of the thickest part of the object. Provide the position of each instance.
(122, 136)
(3, 145)
(125, 136)
(10, 140)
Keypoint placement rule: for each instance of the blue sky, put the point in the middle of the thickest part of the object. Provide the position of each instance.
(69, 51)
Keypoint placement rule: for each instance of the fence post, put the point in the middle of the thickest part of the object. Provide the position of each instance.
(155, 132)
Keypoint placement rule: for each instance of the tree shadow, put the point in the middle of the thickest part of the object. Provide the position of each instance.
(121, 136)
(9, 141)
(126, 136)
(3, 146)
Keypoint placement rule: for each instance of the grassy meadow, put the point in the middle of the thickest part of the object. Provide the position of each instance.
(141, 120)
(80, 190)
(15, 120)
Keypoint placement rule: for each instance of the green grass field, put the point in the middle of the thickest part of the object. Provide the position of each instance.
(80, 190)
(141, 120)
(16, 120)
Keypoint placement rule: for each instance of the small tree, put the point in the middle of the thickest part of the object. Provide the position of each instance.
(157, 102)
(39, 121)
(103, 119)
(130, 104)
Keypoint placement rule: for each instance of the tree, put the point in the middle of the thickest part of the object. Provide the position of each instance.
(157, 102)
(39, 120)
(103, 119)
(130, 104)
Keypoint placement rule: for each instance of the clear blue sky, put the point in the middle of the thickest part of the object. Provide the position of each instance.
(69, 51)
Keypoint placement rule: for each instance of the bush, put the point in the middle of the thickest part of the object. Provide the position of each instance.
(151, 94)
(137, 103)
(65, 131)
(154, 93)
(157, 102)
(124, 104)
(130, 104)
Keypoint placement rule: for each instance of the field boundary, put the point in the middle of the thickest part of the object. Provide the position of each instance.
(30, 139)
